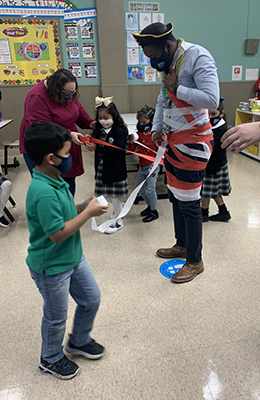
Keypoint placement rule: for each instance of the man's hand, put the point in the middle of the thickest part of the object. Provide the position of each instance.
(157, 139)
(170, 82)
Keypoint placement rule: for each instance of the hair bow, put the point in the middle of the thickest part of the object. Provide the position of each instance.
(100, 101)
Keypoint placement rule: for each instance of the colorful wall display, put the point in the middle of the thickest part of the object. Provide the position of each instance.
(29, 50)
(138, 16)
(82, 45)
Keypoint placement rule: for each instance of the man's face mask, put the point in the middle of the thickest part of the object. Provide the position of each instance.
(163, 62)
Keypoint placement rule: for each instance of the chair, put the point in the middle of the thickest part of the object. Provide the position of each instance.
(9, 144)
(7, 212)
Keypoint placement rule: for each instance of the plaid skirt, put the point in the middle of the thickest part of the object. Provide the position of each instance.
(216, 185)
(116, 189)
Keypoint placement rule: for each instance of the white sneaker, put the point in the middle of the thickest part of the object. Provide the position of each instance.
(115, 227)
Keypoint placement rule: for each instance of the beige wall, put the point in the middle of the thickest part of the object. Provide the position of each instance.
(111, 32)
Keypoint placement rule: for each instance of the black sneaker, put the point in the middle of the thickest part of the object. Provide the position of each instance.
(137, 199)
(92, 350)
(220, 217)
(145, 212)
(62, 369)
(205, 218)
(151, 216)
(3, 222)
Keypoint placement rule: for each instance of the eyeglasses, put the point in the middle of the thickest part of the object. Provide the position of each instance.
(70, 92)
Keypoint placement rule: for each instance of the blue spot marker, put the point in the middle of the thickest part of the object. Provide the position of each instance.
(169, 268)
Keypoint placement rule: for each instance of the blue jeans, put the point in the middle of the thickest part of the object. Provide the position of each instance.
(148, 191)
(80, 283)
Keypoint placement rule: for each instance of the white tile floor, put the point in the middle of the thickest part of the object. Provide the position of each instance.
(199, 340)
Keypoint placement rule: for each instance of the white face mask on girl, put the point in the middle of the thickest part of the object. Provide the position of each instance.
(106, 123)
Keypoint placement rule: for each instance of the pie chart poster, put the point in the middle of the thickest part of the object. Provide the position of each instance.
(29, 50)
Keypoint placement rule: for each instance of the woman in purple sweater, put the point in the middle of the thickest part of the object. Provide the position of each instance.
(56, 99)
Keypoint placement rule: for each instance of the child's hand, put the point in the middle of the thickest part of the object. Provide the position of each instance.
(95, 209)
(90, 146)
(81, 207)
(130, 138)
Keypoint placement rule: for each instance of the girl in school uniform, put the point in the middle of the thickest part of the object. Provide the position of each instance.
(148, 191)
(216, 182)
(110, 163)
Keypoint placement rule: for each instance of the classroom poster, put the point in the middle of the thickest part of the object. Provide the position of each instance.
(135, 72)
(131, 42)
(143, 58)
(90, 70)
(145, 20)
(72, 50)
(29, 50)
(237, 72)
(131, 21)
(71, 31)
(132, 56)
(88, 51)
(149, 74)
(75, 69)
(87, 30)
(158, 17)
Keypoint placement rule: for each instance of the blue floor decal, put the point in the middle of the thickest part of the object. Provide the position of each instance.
(169, 268)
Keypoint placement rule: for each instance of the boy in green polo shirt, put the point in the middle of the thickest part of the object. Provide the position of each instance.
(55, 258)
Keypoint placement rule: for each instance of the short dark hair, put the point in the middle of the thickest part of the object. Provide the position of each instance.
(147, 112)
(44, 137)
(57, 81)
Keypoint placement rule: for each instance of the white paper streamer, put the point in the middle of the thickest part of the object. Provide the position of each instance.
(130, 201)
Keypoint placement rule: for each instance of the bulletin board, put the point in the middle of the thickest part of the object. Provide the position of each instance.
(29, 50)
(82, 55)
(137, 17)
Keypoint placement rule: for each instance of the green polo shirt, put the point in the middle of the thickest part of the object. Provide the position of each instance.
(49, 204)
